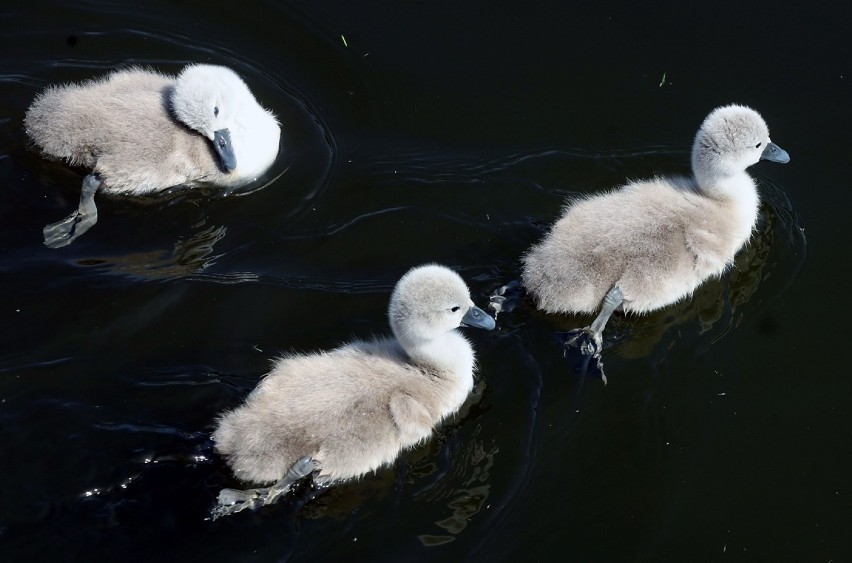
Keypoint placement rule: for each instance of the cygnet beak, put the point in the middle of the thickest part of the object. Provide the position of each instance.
(477, 318)
(222, 146)
(775, 153)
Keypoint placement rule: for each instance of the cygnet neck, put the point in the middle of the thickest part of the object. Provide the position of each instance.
(735, 190)
(450, 353)
(718, 174)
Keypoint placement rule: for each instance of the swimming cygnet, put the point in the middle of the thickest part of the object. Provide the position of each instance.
(343, 413)
(141, 131)
(648, 244)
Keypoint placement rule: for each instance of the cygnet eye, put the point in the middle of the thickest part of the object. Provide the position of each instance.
(757, 146)
(216, 111)
(456, 308)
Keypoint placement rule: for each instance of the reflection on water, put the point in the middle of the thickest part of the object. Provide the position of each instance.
(188, 256)
(469, 496)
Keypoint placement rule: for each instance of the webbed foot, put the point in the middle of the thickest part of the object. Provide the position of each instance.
(587, 341)
(505, 298)
(64, 232)
(582, 347)
(232, 501)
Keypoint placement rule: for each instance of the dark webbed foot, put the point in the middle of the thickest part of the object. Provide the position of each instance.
(232, 501)
(584, 340)
(64, 232)
(588, 341)
(505, 298)
(582, 348)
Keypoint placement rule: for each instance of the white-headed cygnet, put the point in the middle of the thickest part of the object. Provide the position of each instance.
(343, 413)
(648, 244)
(140, 131)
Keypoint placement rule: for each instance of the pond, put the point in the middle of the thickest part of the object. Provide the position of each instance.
(413, 133)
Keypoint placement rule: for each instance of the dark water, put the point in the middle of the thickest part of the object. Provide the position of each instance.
(448, 132)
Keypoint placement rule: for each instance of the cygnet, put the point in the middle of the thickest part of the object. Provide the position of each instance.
(140, 131)
(648, 244)
(343, 413)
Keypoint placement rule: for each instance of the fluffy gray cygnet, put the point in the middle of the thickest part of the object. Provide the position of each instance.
(141, 131)
(648, 244)
(343, 413)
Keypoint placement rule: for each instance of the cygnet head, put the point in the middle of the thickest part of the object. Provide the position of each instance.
(731, 139)
(429, 301)
(209, 99)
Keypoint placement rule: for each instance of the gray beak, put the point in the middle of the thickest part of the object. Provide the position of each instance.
(224, 149)
(476, 317)
(775, 153)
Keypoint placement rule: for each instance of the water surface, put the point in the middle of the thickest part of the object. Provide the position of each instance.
(414, 133)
